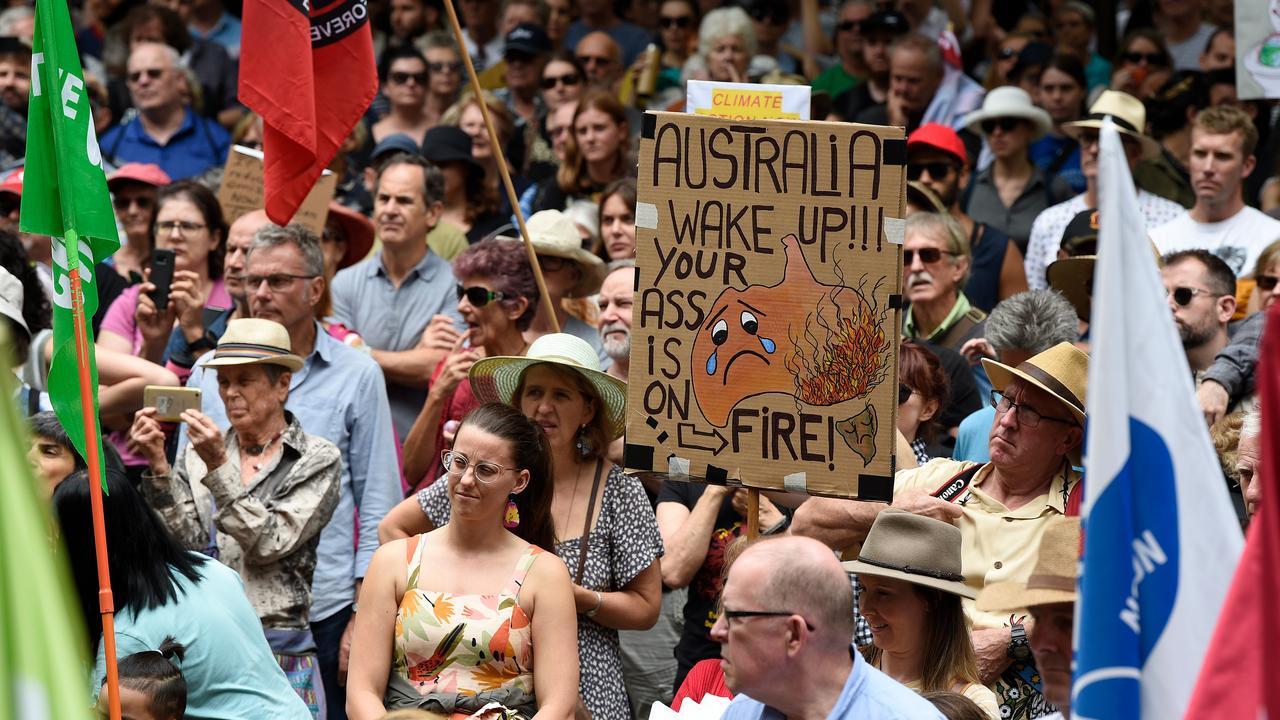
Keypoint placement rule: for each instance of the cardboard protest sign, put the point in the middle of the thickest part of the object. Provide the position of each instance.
(765, 322)
(1257, 36)
(241, 190)
(747, 101)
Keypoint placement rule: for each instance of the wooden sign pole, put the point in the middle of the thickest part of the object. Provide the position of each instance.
(753, 514)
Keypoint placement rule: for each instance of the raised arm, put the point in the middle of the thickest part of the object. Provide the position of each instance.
(686, 534)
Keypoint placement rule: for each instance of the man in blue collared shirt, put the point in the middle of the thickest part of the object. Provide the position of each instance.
(784, 637)
(339, 395)
(165, 131)
(392, 297)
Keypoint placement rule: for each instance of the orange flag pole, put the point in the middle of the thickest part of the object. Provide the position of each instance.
(106, 602)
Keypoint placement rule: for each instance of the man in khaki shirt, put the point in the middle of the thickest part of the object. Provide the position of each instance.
(1001, 507)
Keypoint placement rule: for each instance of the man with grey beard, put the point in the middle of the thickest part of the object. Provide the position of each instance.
(935, 263)
(616, 295)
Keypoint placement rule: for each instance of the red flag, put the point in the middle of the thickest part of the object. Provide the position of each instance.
(306, 66)
(1240, 671)
(950, 48)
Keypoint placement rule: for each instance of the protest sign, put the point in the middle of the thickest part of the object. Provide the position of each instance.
(242, 191)
(748, 101)
(764, 333)
(1257, 36)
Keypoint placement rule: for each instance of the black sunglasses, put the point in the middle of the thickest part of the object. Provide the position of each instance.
(936, 170)
(122, 202)
(439, 67)
(1006, 124)
(1184, 295)
(849, 26)
(904, 393)
(570, 80)
(681, 22)
(153, 73)
(774, 15)
(1150, 58)
(928, 256)
(1267, 282)
(478, 296)
(400, 78)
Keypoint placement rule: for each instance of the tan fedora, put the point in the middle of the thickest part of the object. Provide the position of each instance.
(254, 341)
(1073, 277)
(1062, 371)
(915, 549)
(1052, 580)
(1126, 111)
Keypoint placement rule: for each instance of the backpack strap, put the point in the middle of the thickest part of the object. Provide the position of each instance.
(967, 327)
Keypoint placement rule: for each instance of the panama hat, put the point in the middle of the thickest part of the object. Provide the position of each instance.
(553, 233)
(495, 379)
(1053, 580)
(1062, 371)
(1008, 101)
(1126, 111)
(915, 549)
(254, 341)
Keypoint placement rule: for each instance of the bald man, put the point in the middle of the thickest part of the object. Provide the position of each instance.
(601, 57)
(784, 635)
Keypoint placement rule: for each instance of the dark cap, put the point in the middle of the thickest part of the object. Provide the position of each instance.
(392, 144)
(890, 21)
(1081, 235)
(1032, 55)
(526, 39)
(445, 144)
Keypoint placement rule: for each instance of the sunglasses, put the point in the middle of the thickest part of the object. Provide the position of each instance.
(402, 78)
(928, 256)
(478, 296)
(849, 26)
(904, 393)
(1136, 58)
(122, 203)
(1184, 295)
(440, 67)
(774, 16)
(936, 170)
(151, 73)
(681, 22)
(1006, 124)
(590, 60)
(570, 80)
(1267, 282)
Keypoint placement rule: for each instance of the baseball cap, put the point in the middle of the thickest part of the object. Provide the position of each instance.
(12, 183)
(526, 39)
(941, 137)
(392, 144)
(145, 173)
(890, 21)
(1081, 234)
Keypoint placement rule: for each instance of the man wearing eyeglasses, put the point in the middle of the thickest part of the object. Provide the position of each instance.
(784, 633)
(935, 267)
(849, 68)
(1001, 506)
(166, 131)
(601, 58)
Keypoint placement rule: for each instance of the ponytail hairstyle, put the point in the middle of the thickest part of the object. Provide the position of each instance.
(530, 451)
(154, 673)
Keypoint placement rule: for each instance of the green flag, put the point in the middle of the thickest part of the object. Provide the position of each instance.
(64, 196)
(42, 652)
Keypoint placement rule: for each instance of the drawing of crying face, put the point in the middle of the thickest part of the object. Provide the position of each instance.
(734, 337)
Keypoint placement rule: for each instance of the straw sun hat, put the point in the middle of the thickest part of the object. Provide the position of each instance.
(1126, 111)
(915, 549)
(254, 341)
(553, 233)
(495, 379)
(1053, 580)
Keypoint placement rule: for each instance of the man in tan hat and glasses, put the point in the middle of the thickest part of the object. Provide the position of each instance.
(1001, 507)
(1130, 118)
(1048, 595)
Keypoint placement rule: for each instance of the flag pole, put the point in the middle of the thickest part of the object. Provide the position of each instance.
(502, 164)
(106, 602)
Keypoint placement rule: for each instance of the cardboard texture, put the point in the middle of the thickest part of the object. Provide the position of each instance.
(764, 332)
(241, 190)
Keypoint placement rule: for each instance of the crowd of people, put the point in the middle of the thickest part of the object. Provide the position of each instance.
(399, 491)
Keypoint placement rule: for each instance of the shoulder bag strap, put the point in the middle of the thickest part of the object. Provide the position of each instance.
(586, 526)
(957, 484)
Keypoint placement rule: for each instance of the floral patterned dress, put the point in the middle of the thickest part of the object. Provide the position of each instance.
(463, 655)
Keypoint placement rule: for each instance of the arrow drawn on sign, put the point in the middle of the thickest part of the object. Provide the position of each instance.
(689, 436)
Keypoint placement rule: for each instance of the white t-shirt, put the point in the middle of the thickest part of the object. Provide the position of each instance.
(1238, 240)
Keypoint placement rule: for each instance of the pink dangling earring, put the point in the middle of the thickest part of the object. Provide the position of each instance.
(511, 519)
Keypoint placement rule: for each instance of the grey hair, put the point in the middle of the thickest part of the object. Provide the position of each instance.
(307, 242)
(727, 21)
(922, 45)
(1033, 321)
(1251, 426)
(945, 227)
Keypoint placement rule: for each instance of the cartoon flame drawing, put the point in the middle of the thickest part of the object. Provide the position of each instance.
(824, 344)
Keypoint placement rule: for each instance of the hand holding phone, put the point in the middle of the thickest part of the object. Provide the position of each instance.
(162, 260)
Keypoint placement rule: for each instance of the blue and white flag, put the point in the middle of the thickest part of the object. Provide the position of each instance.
(1161, 538)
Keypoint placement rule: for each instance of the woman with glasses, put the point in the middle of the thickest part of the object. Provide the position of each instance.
(1142, 53)
(445, 72)
(133, 194)
(604, 528)
(677, 25)
(563, 81)
(403, 79)
(473, 618)
(1004, 58)
(923, 392)
(497, 299)
(256, 496)
(1267, 273)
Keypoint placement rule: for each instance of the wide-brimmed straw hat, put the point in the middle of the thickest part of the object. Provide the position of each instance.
(1009, 101)
(1053, 580)
(1062, 371)
(254, 341)
(1126, 111)
(495, 379)
(915, 549)
(553, 233)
